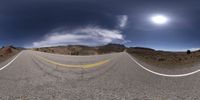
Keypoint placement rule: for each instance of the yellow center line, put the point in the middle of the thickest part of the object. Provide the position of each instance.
(76, 66)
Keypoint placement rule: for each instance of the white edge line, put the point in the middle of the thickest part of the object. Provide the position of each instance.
(11, 61)
(161, 74)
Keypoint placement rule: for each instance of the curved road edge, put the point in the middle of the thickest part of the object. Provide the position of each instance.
(162, 74)
(11, 61)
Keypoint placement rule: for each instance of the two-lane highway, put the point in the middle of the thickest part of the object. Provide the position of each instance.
(42, 76)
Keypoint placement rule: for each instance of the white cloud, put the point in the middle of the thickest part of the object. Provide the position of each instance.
(181, 50)
(191, 49)
(122, 20)
(194, 49)
(85, 36)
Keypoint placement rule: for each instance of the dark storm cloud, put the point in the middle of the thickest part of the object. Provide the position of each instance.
(23, 22)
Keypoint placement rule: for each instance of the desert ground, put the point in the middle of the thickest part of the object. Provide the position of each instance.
(7, 52)
(165, 59)
(83, 50)
(104, 76)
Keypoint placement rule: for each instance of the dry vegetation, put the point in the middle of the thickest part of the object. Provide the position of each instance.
(7, 52)
(83, 50)
(166, 59)
(150, 56)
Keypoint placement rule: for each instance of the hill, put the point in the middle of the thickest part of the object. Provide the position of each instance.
(165, 59)
(83, 50)
(8, 51)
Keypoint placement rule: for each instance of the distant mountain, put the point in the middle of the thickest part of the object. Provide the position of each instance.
(89, 50)
(8, 51)
(83, 50)
(111, 48)
(139, 50)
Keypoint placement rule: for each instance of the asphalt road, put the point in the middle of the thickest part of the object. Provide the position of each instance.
(42, 76)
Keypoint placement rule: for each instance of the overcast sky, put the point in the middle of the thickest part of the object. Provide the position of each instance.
(38, 23)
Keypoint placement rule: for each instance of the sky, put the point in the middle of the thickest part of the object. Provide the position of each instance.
(40, 23)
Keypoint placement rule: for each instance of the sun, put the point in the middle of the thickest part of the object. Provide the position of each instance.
(159, 19)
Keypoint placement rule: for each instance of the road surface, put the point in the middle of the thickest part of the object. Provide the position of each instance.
(42, 76)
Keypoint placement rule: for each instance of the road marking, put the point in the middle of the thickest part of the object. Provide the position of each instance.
(96, 64)
(11, 61)
(76, 66)
(161, 74)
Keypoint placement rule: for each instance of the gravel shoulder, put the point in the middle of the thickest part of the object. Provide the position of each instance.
(168, 60)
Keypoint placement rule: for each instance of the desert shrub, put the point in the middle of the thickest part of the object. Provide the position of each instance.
(188, 52)
(111, 48)
(1, 55)
(161, 59)
(8, 50)
(75, 53)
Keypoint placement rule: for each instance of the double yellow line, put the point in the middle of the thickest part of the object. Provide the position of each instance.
(85, 66)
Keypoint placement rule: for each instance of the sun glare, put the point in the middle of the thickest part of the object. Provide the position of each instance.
(159, 19)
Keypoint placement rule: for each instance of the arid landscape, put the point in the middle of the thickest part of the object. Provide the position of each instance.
(164, 59)
(83, 50)
(7, 52)
(46, 73)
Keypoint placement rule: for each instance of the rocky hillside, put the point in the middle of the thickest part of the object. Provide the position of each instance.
(83, 50)
(109, 48)
(165, 59)
(8, 51)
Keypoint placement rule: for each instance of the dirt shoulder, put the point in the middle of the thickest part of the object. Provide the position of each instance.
(8, 52)
(149, 56)
(166, 59)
